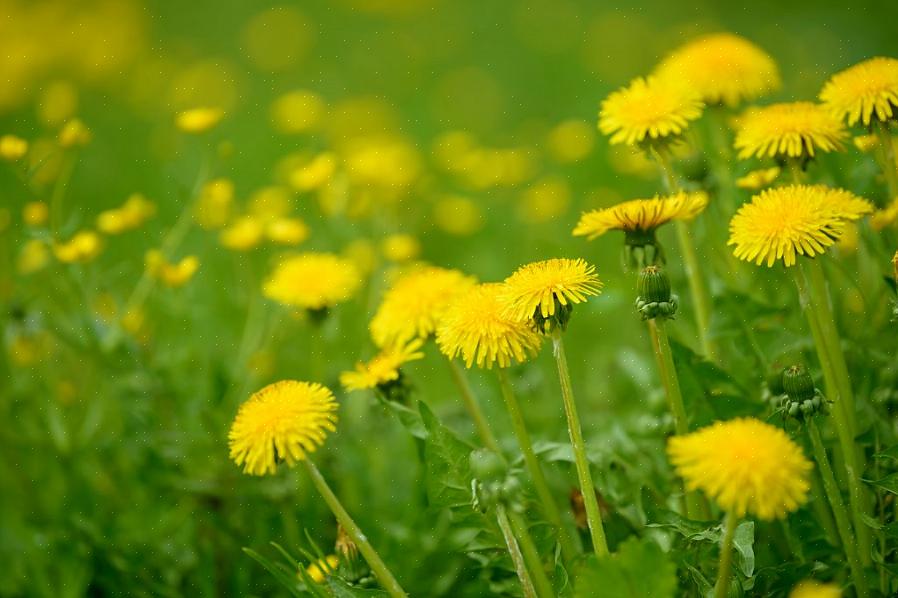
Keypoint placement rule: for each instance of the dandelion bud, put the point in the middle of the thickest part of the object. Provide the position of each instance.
(487, 466)
(798, 384)
(655, 299)
(345, 545)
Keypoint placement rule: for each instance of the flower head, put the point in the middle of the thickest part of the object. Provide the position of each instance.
(74, 133)
(723, 68)
(647, 110)
(81, 248)
(198, 120)
(641, 215)
(312, 281)
(746, 465)
(799, 219)
(476, 327)
(320, 569)
(287, 231)
(810, 588)
(171, 274)
(12, 147)
(284, 421)
(538, 289)
(758, 179)
(36, 213)
(790, 129)
(242, 234)
(864, 91)
(415, 303)
(136, 210)
(383, 368)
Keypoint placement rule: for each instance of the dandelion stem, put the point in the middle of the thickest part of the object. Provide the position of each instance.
(547, 501)
(838, 507)
(721, 588)
(887, 158)
(593, 516)
(473, 407)
(378, 567)
(528, 548)
(514, 551)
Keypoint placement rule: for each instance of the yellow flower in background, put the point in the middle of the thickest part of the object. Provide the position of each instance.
(547, 199)
(895, 265)
(414, 304)
(81, 248)
(270, 203)
(449, 147)
(12, 147)
(287, 231)
(172, 275)
(297, 111)
(864, 92)
(136, 210)
(400, 247)
(791, 129)
(198, 120)
(476, 327)
(885, 217)
(536, 288)
(382, 161)
(33, 257)
(810, 588)
(383, 368)
(647, 110)
(758, 179)
(723, 68)
(865, 143)
(363, 254)
(58, 103)
(214, 204)
(314, 174)
(458, 216)
(312, 281)
(27, 349)
(35, 213)
(641, 215)
(243, 234)
(319, 570)
(571, 141)
(285, 421)
(783, 222)
(745, 465)
(74, 133)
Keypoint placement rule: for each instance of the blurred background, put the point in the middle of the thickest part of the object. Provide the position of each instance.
(465, 127)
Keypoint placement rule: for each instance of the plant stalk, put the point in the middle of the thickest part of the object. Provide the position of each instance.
(514, 551)
(887, 158)
(721, 588)
(531, 556)
(473, 407)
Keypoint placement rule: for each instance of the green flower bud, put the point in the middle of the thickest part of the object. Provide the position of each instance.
(798, 383)
(653, 285)
(486, 465)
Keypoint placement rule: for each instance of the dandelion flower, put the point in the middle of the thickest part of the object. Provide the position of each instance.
(81, 248)
(571, 141)
(284, 421)
(214, 204)
(287, 231)
(723, 68)
(866, 143)
(383, 368)
(400, 247)
(647, 110)
(758, 179)
(746, 465)
(172, 275)
(35, 213)
(864, 91)
(641, 216)
(315, 173)
(799, 219)
(319, 570)
(12, 147)
(476, 327)
(33, 257)
(136, 210)
(791, 129)
(884, 217)
(810, 588)
(415, 303)
(535, 289)
(242, 234)
(313, 281)
(74, 133)
(198, 120)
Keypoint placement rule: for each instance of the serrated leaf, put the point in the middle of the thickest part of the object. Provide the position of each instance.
(639, 569)
(888, 483)
(448, 470)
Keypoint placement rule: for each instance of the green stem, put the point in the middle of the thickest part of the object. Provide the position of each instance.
(838, 507)
(59, 189)
(378, 567)
(514, 551)
(795, 171)
(547, 501)
(587, 488)
(473, 407)
(721, 588)
(887, 158)
(820, 505)
(531, 556)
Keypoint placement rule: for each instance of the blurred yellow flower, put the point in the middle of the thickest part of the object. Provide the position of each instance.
(33, 257)
(297, 111)
(476, 327)
(864, 92)
(285, 421)
(312, 281)
(547, 199)
(458, 216)
(382, 161)
(414, 304)
(213, 208)
(35, 213)
(745, 465)
(536, 288)
(810, 588)
(12, 147)
(28, 349)
(362, 253)
(287, 231)
(136, 210)
(243, 234)
(58, 103)
(649, 109)
(571, 141)
(198, 120)
(885, 217)
(792, 129)
(319, 570)
(723, 68)
(172, 275)
(277, 38)
(315, 173)
(270, 203)
(383, 368)
(83, 247)
(866, 143)
(758, 179)
(783, 222)
(74, 133)
(641, 216)
(400, 247)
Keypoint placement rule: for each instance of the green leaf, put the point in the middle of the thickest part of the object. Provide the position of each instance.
(340, 589)
(743, 542)
(639, 569)
(448, 470)
(889, 453)
(408, 417)
(285, 580)
(697, 531)
(888, 483)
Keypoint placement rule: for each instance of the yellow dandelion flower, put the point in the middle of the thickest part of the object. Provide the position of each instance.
(383, 368)
(647, 110)
(74, 133)
(400, 247)
(214, 204)
(243, 234)
(799, 219)
(297, 111)
(571, 141)
(314, 174)
(34, 257)
(458, 216)
(811, 588)
(790, 129)
(312, 281)
(81, 248)
(885, 217)
(287, 231)
(866, 143)
(641, 216)
(758, 179)
(744, 464)
(172, 275)
(476, 327)
(285, 421)
(270, 203)
(895, 265)
(414, 304)
(319, 570)
(864, 91)
(198, 120)
(723, 68)
(35, 213)
(12, 147)
(536, 288)
(131, 215)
